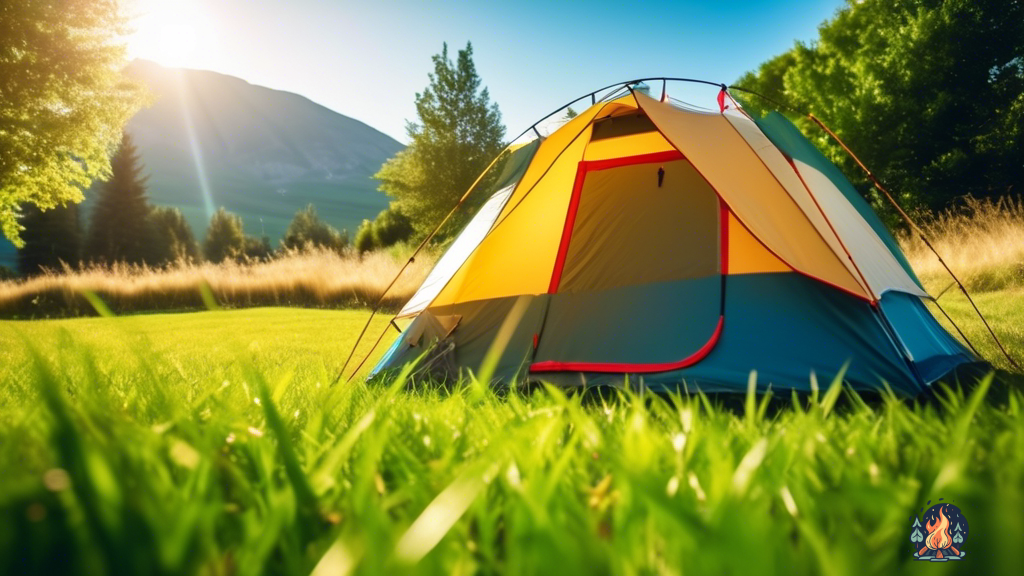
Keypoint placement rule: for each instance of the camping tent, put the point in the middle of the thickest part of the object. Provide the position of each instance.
(647, 241)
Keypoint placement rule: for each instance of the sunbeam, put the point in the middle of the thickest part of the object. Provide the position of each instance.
(195, 146)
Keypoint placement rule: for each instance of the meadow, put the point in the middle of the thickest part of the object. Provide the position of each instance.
(222, 443)
(214, 443)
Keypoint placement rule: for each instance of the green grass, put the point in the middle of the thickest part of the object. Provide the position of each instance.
(211, 443)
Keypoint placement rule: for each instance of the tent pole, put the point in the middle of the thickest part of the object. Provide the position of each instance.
(411, 259)
(910, 223)
(498, 223)
(921, 235)
(370, 353)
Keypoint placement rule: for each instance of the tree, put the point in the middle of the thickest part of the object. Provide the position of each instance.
(365, 241)
(929, 93)
(173, 240)
(63, 101)
(459, 132)
(50, 238)
(390, 227)
(257, 249)
(225, 237)
(120, 227)
(307, 231)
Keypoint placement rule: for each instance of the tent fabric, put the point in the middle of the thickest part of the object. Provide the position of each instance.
(752, 193)
(606, 330)
(518, 255)
(680, 216)
(785, 176)
(881, 270)
(836, 218)
(746, 253)
(474, 232)
(791, 142)
(786, 327)
(641, 240)
(456, 256)
(933, 351)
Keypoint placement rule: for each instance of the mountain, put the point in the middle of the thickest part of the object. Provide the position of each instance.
(265, 153)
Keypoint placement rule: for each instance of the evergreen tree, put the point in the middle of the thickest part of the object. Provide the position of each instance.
(958, 536)
(119, 230)
(459, 132)
(225, 237)
(307, 230)
(50, 237)
(173, 239)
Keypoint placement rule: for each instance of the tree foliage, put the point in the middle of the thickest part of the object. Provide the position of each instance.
(390, 227)
(257, 248)
(51, 238)
(120, 230)
(173, 240)
(458, 133)
(307, 231)
(929, 93)
(225, 237)
(63, 101)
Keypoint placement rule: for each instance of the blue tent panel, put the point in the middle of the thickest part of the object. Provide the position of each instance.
(933, 350)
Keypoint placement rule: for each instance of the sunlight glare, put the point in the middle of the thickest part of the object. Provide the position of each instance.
(176, 33)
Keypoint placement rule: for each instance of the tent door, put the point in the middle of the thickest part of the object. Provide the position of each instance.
(638, 282)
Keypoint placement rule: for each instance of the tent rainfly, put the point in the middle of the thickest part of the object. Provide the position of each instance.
(645, 242)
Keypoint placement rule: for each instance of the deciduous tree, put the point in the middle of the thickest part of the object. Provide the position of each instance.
(63, 101)
(929, 93)
(307, 230)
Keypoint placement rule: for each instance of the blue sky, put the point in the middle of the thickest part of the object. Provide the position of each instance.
(368, 59)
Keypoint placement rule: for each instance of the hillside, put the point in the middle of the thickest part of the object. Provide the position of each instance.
(265, 153)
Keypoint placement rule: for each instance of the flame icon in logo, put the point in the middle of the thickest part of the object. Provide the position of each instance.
(943, 534)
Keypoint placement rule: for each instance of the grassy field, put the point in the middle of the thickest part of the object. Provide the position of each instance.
(213, 443)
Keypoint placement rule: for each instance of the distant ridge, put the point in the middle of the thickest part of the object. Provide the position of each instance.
(266, 153)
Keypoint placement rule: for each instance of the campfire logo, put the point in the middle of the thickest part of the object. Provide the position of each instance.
(941, 536)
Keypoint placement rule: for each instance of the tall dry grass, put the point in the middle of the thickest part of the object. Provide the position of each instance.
(981, 241)
(311, 279)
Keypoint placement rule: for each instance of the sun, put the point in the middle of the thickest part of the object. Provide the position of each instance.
(179, 43)
(176, 33)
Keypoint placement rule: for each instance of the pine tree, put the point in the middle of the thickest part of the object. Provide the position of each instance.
(916, 535)
(459, 132)
(51, 237)
(958, 536)
(173, 239)
(225, 237)
(119, 230)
